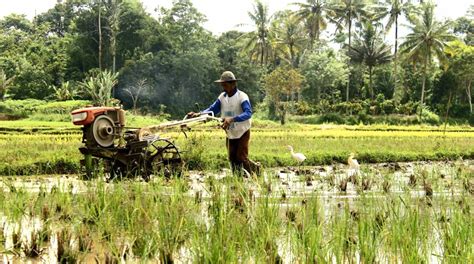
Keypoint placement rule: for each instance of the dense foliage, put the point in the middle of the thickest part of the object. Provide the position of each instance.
(94, 50)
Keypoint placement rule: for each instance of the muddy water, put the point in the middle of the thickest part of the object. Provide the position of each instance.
(340, 182)
(332, 181)
(336, 186)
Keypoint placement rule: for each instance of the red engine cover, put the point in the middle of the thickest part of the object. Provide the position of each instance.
(92, 112)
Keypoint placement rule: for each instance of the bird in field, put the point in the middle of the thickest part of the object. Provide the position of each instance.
(353, 163)
(353, 166)
(300, 157)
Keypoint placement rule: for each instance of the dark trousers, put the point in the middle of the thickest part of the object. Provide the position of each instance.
(238, 151)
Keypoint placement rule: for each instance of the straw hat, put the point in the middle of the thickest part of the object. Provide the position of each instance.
(227, 76)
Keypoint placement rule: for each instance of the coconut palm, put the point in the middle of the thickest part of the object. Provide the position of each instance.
(257, 43)
(427, 39)
(370, 50)
(287, 37)
(315, 14)
(393, 9)
(345, 13)
(115, 10)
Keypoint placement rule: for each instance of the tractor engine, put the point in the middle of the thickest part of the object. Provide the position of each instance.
(102, 126)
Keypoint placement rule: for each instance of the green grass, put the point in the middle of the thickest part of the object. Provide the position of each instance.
(32, 147)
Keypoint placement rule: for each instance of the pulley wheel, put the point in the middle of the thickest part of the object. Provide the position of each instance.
(143, 132)
(103, 131)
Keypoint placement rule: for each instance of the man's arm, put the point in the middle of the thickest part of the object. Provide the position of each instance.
(215, 108)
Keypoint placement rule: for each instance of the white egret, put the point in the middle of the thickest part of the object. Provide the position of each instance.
(353, 163)
(300, 157)
(353, 166)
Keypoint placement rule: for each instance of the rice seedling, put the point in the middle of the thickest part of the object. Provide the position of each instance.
(311, 244)
(342, 239)
(457, 236)
(265, 226)
(409, 228)
(343, 185)
(386, 185)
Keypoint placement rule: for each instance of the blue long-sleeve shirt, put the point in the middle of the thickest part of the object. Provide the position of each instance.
(245, 115)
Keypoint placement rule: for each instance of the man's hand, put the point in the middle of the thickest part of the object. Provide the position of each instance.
(227, 122)
(193, 114)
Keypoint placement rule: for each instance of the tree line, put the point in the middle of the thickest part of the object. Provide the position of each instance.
(319, 56)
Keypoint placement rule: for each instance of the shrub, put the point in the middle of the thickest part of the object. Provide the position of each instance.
(63, 108)
(31, 106)
(429, 117)
(331, 118)
(408, 108)
(323, 107)
(460, 110)
(303, 108)
(380, 98)
(365, 118)
(22, 108)
(388, 107)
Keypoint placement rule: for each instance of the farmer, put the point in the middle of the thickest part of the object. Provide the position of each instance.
(236, 111)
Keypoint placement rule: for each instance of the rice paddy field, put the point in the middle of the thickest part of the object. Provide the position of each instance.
(411, 201)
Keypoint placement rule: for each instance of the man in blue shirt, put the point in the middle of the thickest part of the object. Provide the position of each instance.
(236, 112)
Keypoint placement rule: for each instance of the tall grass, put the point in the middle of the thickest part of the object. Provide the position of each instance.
(34, 150)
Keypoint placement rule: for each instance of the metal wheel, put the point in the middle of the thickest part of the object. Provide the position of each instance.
(103, 131)
(164, 159)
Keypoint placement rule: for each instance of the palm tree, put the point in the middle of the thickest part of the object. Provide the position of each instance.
(427, 40)
(257, 41)
(115, 10)
(369, 49)
(393, 9)
(348, 11)
(99, 26)
(315, 13)
(345, 12)
(287, 37)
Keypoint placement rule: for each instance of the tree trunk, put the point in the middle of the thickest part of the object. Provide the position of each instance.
(469, 96)
(371, 89)
(396, 35)
(347, 86)
(423, 88)
(349, 48)
(113, 59)
(318, 93)
(447, 111)
(317, 32)
(395, 60)
(135, 105)
(100, 38)
(283, 113)
(350, 30)
(292, 55)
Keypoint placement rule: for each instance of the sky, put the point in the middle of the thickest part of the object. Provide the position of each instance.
(222, 15)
